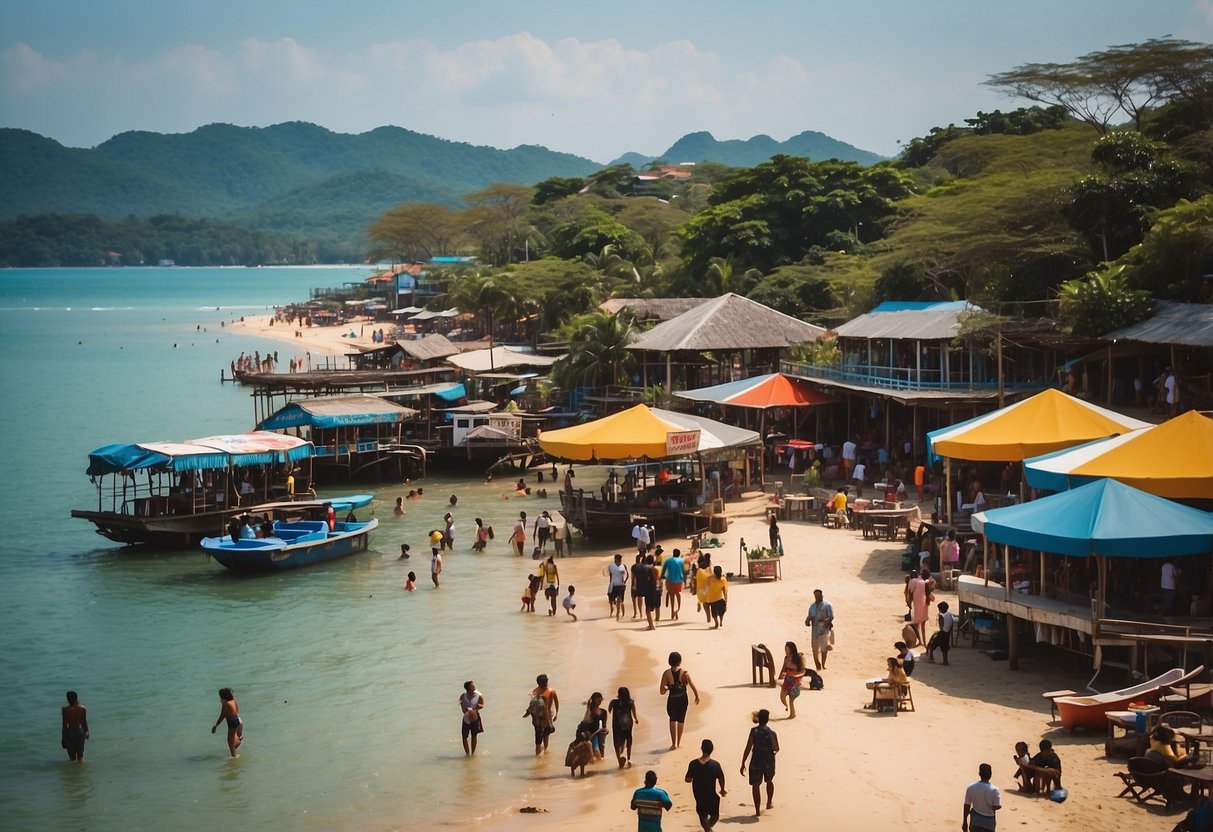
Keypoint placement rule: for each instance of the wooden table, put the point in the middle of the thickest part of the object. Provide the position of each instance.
(1202, 734)
(800, 504)
(1127, 722)
(1199, 778)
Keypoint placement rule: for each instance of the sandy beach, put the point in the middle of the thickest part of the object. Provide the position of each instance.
(330, 341)
(840, 766)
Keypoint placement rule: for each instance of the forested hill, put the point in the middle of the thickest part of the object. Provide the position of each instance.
(225, 171)
(740, 153)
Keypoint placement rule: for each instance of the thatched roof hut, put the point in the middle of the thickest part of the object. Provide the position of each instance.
(729, 322)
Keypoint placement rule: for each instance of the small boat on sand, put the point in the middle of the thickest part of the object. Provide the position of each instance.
(1089, 711)
(294, 543)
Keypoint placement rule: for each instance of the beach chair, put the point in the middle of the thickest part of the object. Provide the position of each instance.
(762, 665)
(1145, 780)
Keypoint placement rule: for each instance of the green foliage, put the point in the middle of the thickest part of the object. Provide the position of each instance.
(1101, 302)
(592, 231)
(1175, 254)
(1137, 176)
(598, 353)
(1022, 122)
(798, 290)
(556, 187)
(823, 352)
(771, 215)
(87, 240)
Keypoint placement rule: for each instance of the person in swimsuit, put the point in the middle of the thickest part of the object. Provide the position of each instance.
(75, 728)
(470, 703)
(623, 717)
(674, 684)
(230, 711)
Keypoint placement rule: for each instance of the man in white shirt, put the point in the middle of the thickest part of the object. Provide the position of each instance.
(618, 574)
(942, 640)
(982, 800)
(1172, 391)
(1167, 583)
(861, 471)
(848, 458)
(640, 533)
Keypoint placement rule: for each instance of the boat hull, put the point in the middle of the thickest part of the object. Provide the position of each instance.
(273, 554)
(169, 532)
(1090, 711)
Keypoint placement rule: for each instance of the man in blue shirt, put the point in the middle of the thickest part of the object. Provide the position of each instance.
(673, 573)
(649, 803)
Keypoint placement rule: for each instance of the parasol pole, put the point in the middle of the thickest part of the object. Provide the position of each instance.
(947, 497)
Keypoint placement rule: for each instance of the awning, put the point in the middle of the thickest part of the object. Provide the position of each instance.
(1101, 518)
(761, 392)
(1046, 422)
(205, 454)
(1174, 459)
(639, 432)
(337, 411)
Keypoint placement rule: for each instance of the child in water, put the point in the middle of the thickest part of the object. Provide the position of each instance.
(570, 603)
(411, 584)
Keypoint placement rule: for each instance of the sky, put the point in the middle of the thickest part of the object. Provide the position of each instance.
(596, 79)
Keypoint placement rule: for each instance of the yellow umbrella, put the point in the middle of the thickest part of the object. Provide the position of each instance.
(641, 431)
(1046, 422)
(1174, 459)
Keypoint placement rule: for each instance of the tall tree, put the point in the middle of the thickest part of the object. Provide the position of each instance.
(496, 217)
(415, 231)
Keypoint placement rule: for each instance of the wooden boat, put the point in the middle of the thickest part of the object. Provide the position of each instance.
(295, 543)
(1089, 711)
(171, 494)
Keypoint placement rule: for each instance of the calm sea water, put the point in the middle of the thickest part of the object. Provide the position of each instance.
(347, 683)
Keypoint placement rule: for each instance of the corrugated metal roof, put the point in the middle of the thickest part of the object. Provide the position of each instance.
(729, 322)
(337, 411)
(1186, 324)
(936, 323)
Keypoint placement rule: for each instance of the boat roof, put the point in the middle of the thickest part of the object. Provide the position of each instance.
(205, 454)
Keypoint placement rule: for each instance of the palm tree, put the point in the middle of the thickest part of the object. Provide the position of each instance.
(598, 353)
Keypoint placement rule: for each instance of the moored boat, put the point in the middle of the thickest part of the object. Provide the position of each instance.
(172, 494)
(294, 543)
(1089, 711)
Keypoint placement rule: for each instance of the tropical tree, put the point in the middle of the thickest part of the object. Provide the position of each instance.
(487, 294)
(598, 353)
(1101, 302)
(415, 231)
(496, 219)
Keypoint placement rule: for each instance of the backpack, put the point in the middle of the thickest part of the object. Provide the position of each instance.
(537, 708)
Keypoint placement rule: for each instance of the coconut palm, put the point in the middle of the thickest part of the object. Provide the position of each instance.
(598, 353)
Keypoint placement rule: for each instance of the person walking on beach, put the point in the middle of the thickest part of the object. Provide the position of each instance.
(637, 586)
(773, 532)
(570, 603)
(765, 745)
(649, 803)
(703, 774)
(543, 530)
(674, 684)
(672, 571)
(716, 597)
(471, 701)
(920, 591)
(543, 709)
(623, 716)
(230, 711)
(617, 583)
(791, 676)
(982, 800)
(435, 566)
(651, 588)
(75, 728)
(821, 619)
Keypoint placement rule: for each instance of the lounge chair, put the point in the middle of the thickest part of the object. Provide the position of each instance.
(1145, 780)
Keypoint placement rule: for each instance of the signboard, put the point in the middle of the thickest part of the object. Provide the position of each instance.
(681, 443)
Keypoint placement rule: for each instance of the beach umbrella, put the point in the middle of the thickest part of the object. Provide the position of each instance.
(1104, 517)
(643, 432)
(1049, 421)
(770, 390)
(1174, 459)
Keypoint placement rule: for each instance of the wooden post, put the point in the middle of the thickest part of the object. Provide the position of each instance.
(1012, 643)
(947, 498)
(985, 556)
(669, 380)
(1043, 594)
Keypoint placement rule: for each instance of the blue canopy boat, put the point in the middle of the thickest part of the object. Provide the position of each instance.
(173, 493)
(294, 543)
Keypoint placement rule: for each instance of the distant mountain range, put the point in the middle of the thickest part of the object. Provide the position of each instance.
(301, 179)
(737, 153)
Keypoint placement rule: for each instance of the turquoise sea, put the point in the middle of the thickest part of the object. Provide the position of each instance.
(348, 684)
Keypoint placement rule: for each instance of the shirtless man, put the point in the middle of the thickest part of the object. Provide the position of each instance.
(75, 728)
(543, 717)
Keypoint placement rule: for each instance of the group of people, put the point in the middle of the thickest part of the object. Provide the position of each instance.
(656, 580)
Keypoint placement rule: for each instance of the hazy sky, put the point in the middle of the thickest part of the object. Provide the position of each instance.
(592, 78)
